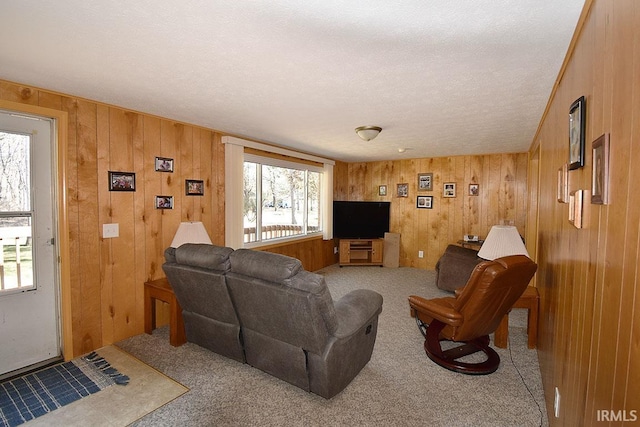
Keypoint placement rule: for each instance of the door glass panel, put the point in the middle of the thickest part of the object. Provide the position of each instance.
(16, 256)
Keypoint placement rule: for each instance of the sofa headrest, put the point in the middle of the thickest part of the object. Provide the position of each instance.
(264, 265)
(170, 255)
(211, 257)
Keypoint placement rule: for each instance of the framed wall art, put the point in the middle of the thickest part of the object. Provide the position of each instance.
(122, 181)
(600, 171)
(576, 206)
(194, 187)
(449, 189)
(382, 190)
(563, 184)
(164, 164)
(474, 189)
(425, 181)
(164, 202)
(403, 190)
(577, 118)
(424, 202)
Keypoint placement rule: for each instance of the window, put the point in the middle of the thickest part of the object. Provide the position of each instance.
(16, 266)
(280, 199)
(269, 198)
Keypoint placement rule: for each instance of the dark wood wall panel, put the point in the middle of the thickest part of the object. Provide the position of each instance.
(588, 278)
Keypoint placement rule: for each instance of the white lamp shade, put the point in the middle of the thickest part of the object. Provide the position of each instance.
(190, 232)
(503, 240)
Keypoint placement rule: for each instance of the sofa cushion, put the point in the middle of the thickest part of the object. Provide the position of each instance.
(204, 256)
(264, 265)
(455, 266)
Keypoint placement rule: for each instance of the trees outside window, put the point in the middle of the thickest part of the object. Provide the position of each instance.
(288, 197)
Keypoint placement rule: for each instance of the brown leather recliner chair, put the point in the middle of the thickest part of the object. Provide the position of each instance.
(474, 313)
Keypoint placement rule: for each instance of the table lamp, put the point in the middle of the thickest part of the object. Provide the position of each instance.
(503, 240)
(190, 232)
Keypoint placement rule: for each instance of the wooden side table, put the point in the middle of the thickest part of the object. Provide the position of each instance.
(529, 300)
(160, 289)
(470, 245)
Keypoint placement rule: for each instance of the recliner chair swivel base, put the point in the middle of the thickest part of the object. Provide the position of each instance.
(449, 358)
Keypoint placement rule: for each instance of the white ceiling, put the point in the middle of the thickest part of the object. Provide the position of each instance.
(441, 78)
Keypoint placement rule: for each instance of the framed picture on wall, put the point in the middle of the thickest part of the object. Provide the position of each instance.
(576, 208)
(449, 189)
(577, 118)
(122, 181)
(194, 187)
(600, 172)
(474, 189)
(425, 181)
(563, 184)
(164, 202)
(403, 190)
(424, 202)
(164, 164)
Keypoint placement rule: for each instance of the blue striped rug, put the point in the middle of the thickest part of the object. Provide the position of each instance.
(32, 395)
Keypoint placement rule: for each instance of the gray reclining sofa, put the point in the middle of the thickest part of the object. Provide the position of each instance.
(266, 310)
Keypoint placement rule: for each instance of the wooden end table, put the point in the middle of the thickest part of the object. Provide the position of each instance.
(160, 289)
(529, 300)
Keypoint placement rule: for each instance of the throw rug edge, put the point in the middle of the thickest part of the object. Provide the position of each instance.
(35, 394)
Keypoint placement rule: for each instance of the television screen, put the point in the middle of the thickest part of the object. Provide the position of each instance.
(360, 220)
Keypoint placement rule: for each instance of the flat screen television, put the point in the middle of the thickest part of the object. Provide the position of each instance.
(360, 220)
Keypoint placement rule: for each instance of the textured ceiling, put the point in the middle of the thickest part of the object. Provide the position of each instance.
(441, 78)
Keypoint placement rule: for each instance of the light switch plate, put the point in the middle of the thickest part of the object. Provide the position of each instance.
(110, 230)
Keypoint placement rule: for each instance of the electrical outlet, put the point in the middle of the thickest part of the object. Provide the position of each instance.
(556, 404)
(420, 254)
(110, 230)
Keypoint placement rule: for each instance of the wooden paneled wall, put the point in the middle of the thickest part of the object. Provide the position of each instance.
(314, 253)
(589, 340)
(502, 199)
(107, 275)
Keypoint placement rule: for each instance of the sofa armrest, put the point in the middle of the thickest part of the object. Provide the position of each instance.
(440, 309)
(355, 309)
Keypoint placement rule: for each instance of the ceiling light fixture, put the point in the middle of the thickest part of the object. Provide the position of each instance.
(367, 133)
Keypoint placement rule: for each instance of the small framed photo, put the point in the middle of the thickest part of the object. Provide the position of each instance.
(122, 181)
(576, 208)
(600, 172)
(474, 189)
(382, 190)
(449, 189)
(577, 118)
(425, 181)
(563, 184)
(164, 164)
(424, 202)
(403, 190)
(164, 202)
(194, 187)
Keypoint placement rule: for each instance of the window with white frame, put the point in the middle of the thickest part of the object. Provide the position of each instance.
(269, 199)
(280, 199)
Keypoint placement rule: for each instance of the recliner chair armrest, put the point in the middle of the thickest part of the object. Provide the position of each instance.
(439, 308)
(355, 309)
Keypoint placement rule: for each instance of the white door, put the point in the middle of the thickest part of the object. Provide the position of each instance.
(29, 320)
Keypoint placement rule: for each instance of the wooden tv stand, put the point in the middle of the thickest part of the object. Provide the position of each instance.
(361, 252)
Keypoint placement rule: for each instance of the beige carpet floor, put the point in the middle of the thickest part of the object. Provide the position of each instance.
(148, 389)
